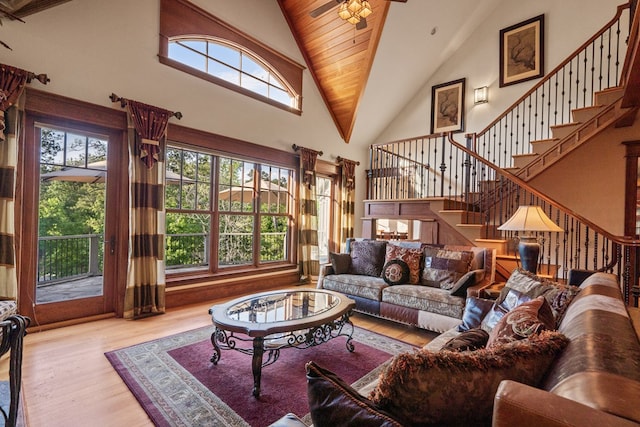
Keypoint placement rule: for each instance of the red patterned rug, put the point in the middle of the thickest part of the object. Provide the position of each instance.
(177, 385)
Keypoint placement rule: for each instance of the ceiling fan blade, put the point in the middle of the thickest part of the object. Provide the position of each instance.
(362, 24)
(324, 8)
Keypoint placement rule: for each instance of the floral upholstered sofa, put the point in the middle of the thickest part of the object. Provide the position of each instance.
(411, 282)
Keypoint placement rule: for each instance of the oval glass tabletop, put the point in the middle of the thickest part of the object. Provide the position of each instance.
(282, 307)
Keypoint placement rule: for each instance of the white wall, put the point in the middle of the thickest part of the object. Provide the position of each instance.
(91, 48)
(568, 23)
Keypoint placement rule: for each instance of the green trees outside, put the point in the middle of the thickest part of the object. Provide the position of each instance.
(73, 195)
(69, 205)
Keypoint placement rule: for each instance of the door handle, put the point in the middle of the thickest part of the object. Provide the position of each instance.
(112, 245)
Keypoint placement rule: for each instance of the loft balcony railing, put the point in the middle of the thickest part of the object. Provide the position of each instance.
(474, 178)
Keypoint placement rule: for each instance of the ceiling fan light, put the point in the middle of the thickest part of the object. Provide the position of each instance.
(354, 6)
(354, 19)
(366, 9)
(343, 12)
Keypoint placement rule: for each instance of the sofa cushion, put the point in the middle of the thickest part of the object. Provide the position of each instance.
(424, 298)
(472, 339)
(530, 286)
(475, 310)
(412, 257)
(447, 387)
(469, 279)
(531, 317)
(332, 402)
(396, 272)
(367, 257)
(341, 263)
(443, 267)
(355, 284)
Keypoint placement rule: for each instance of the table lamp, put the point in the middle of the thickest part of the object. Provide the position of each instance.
(529, 219)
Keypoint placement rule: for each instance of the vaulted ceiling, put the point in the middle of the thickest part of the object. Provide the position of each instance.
(339, 54)
(365, 76)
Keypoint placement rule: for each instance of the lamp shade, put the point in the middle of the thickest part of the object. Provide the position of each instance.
(530, 218)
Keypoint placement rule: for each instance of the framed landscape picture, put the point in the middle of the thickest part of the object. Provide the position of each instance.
(447, 107)
(522, 51)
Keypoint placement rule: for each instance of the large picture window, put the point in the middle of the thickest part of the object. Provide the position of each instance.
(225, 213)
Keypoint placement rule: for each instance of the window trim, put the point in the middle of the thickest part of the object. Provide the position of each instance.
(181, 19)
(219, 145)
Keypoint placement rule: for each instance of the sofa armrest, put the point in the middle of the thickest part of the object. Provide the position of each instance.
(517, 404)
(325, 270)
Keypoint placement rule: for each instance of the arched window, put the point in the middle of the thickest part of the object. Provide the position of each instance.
(234, 64)
(194, 41)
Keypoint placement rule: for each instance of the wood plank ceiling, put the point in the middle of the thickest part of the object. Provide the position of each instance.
(339, 57)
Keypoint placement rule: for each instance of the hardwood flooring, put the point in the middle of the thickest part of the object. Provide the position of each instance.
(67, 380)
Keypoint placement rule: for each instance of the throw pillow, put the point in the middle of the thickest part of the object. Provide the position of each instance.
(396, 272)
(470, 340)
(332, 402)
(475, 309)
(410, 256)
(511, 300)
(558, 295)
(469, 279)
(367, 257)
(457, 388)
(528, 318)
(341, 263)
(443, 267)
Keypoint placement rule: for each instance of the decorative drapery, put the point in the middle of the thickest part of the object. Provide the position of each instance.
(308, 251)
(12, 83)
(347, 199)
(145, 291)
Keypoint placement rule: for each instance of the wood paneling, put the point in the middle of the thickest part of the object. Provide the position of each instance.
(338, 56)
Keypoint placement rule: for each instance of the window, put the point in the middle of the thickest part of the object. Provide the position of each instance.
(224, 212)
(324, 195)
(233, 64)
(196, 42)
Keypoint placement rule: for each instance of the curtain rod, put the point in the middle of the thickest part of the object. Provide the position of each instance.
(297, 147)
(339, 159)
(123, 102)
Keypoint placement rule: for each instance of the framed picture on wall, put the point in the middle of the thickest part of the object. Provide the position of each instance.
(522, 51)
(447, 107)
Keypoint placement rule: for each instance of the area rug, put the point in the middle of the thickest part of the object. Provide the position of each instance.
(177, 385)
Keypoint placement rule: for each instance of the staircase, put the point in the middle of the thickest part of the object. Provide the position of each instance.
(471, 188)
(587, 122)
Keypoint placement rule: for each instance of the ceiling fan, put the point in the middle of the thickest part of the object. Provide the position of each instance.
(353, 11)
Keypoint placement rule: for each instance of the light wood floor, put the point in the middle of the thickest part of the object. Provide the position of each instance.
(67, 380)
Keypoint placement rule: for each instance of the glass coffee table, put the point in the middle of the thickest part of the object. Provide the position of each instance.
(271, 321)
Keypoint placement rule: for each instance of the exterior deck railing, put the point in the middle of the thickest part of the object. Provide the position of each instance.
(63, 258)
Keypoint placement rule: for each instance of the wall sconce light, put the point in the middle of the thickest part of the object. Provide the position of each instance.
(481, 95)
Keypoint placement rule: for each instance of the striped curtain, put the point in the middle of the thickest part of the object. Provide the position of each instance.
(308, 251)
(145, 293)
(347, 202)
(12, 82)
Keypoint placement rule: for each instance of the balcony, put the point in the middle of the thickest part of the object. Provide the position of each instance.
(71, 267)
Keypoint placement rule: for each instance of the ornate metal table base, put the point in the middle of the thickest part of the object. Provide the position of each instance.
(271, 344)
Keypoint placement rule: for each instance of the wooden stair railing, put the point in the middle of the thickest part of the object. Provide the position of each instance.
(476, 180)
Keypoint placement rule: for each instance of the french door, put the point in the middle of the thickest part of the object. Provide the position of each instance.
(72, 219)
